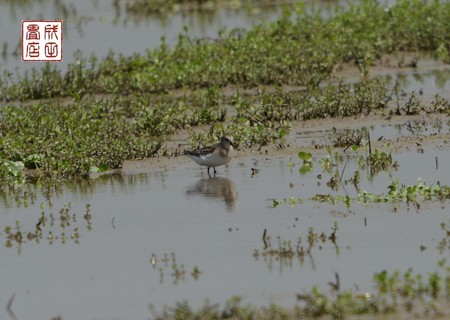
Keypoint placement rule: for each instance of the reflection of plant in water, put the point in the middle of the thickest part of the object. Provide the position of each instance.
(307, 165)
(354, 180)
(45, 228)
(349, 137)
(285, 250)
(381, 161)
(18, 194)
(444, 244)
(169, 263)
(330, 161)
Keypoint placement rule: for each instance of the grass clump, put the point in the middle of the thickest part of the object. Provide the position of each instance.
(165, 7)
(68, 141)
(301, 50)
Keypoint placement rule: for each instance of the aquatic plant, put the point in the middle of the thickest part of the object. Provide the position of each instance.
(416, 194)
(332, 199)
(444, 243)
(413, 193)
(307, 165)
(415, 294)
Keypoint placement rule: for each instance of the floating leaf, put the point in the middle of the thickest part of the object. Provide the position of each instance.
(305, 156)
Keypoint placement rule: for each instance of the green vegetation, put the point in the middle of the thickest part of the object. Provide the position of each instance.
(162, 7)
(415, 194)
(63, 141)
(307, 165)
(301, 50)
(393, 291)
(376, 161)
(91, 135)
(100, 113)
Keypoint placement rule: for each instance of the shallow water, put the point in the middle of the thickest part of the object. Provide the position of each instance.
(125, 262)
(87, 21)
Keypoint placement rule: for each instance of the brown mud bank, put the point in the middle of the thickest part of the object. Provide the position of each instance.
(314, 135)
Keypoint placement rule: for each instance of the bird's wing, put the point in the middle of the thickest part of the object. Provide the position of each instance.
(201, 152)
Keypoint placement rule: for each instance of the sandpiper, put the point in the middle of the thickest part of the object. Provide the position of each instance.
(213, 156)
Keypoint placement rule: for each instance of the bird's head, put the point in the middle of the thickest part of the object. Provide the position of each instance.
(226, 141)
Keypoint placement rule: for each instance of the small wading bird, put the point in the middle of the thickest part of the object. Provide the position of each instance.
(213, 156)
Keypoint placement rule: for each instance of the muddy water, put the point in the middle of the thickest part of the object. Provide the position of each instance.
(142, 222)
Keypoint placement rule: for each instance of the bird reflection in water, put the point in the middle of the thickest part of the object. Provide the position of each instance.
(216, 188)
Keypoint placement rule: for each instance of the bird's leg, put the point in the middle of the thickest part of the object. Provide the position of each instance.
(208, 169)
(214, 170)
